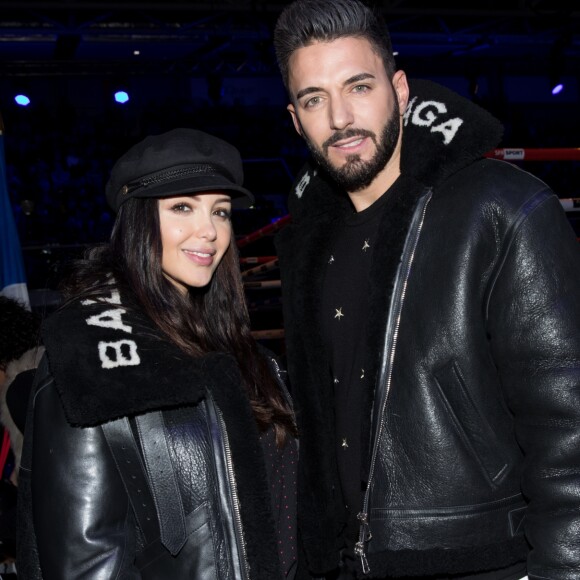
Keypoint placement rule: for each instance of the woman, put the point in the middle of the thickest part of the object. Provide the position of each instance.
(158, 424)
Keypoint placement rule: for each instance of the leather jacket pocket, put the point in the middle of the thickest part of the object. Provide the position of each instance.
(197, 558)
(470, 425)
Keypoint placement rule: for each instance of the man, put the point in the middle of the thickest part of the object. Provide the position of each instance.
(432, 314)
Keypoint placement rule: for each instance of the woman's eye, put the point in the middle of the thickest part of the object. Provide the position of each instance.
(223, 213)
(180, 207)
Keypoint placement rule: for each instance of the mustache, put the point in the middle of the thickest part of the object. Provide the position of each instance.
(347, 134)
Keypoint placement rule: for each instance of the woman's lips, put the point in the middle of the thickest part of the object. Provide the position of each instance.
(199, 257)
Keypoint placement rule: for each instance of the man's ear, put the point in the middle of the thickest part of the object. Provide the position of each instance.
(292, 110)
(401, 89)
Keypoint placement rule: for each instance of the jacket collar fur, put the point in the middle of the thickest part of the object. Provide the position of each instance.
(123, 365)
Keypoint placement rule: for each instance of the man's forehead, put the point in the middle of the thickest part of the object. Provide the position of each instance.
(333, 62)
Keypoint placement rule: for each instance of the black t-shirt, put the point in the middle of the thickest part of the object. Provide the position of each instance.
(344, 323)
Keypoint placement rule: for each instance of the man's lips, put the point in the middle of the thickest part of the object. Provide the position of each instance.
(349, 143)
(348, 140)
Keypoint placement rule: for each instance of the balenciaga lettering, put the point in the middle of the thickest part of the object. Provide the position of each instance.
(425, 113)
(118, 353)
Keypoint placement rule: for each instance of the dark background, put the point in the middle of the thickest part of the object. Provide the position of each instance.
(211, 66)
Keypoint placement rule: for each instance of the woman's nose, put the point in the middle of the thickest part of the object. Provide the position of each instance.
(206, 228)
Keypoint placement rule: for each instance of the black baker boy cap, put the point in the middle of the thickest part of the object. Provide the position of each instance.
(179, 162)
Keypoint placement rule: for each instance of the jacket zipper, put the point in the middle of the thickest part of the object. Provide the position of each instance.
(245, 568)
(387, 367)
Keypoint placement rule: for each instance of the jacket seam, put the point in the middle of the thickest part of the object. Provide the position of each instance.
(523, 213)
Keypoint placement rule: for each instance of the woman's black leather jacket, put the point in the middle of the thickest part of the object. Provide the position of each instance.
(158, 477)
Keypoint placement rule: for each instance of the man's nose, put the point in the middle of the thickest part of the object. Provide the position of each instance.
(341, 115)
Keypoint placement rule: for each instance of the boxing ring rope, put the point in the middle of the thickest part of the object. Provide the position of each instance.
(271, 265)
(542, 154)
(276, 333)
(264, 264)
(266, 230)
(257, 259)
(265, 284)
(536, 154)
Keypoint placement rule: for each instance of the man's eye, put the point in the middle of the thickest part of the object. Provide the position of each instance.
(361, 88)
(312, 102)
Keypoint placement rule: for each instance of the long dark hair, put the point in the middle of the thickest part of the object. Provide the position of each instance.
(213, 318)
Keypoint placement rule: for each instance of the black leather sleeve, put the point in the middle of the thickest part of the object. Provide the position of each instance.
(81, 515)
(534, 327)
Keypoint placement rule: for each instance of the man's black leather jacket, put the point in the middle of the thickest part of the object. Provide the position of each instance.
(473, 456)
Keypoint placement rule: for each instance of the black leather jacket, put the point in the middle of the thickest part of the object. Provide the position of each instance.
(473, 454)
(193, 501)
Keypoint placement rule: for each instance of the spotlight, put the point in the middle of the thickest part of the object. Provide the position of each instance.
(22, 100)
(556, 61)
(121, 97)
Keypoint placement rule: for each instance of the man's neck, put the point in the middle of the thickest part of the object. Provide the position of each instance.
(380, 185)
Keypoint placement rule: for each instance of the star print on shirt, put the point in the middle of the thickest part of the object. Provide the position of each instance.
(366, 245)
(339, 313)
(331, 260)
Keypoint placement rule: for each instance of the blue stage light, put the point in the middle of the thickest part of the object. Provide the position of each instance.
(557, 88)
(121, 97)
(22, 100)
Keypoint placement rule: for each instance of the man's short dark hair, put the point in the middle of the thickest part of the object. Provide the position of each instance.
(19, 330)
(307, 21)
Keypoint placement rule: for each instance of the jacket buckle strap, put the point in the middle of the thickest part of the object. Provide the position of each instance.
(123, 447)
(166, 494)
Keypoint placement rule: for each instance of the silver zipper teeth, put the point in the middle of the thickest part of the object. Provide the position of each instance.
(364, 534)
(235, 500)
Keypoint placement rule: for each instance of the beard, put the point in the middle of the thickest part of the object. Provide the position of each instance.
(357, 174)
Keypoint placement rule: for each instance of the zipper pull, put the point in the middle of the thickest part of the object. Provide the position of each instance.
(359, 550)
(364, 536)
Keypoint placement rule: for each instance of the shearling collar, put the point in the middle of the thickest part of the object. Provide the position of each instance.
(122, 363)
(442, 133)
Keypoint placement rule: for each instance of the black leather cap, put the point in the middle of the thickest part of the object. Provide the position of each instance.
(179, 162)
